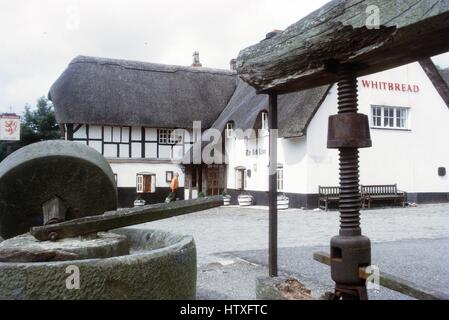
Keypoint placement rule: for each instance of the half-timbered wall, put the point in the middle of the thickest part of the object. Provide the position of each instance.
(131, 142)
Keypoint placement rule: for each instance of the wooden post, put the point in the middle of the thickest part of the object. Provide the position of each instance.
(204, 176)
(70, 131)
(189, 172)
(272, 191)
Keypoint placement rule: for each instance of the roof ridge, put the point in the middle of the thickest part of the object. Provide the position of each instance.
(150, 66)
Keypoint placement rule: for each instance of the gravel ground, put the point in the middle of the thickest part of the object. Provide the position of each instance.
(408, 242)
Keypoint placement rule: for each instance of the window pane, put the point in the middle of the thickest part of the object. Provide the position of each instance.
(389, 117)
(139, 183)
(377, 116)
(401, 117)
(280, 179)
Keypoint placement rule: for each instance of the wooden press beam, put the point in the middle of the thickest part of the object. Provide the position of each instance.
(304, 55)
(392, 282)
(123, 218)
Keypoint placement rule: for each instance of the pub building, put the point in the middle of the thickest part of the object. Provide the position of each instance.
(131, 113)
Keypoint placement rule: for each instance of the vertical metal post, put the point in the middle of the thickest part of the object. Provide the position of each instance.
(272, 186)
(349, 131)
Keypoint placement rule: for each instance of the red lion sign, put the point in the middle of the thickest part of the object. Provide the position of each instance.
(9, 127)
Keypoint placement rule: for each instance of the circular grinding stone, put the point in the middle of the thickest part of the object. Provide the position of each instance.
(25, 248)
(34, 174)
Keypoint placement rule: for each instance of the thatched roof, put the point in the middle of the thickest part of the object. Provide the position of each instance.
(295, 110)
(118, 92)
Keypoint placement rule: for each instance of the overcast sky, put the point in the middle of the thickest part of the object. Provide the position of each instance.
(39, 38)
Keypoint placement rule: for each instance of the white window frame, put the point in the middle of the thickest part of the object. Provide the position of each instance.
(140, 183)
(390, 117)
(169, 137)
(280, 178)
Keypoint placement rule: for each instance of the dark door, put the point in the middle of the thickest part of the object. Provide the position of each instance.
(215, 180)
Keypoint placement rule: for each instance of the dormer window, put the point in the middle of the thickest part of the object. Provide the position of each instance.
(265, 124)
(230, 130)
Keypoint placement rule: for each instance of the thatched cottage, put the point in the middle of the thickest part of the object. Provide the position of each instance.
(129, 111)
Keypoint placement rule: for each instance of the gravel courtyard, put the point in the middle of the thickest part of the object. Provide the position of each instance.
(232, 244)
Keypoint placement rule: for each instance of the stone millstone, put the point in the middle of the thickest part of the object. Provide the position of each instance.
(25, 248)
(35, 174)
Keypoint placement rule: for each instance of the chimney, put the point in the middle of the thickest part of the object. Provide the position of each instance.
(233, 64)
(196, 60)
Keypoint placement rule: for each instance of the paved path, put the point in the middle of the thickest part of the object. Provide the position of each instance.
(406, 241)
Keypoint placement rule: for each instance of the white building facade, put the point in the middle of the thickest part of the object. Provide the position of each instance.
(409, 131)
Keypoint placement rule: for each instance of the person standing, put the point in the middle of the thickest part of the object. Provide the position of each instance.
(174, 185)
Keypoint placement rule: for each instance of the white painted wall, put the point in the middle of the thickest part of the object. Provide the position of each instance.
(408, 158)
(126, 173)
(291, 154)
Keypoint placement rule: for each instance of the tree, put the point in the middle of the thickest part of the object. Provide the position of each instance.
(38, 124)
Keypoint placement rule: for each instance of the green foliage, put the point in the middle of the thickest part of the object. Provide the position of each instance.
(37, 124)
(201, 195)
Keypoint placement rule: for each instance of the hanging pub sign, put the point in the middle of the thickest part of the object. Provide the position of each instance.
(9, 127)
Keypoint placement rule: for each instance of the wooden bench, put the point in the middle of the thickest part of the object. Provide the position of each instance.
(382, 193)
(326, 195)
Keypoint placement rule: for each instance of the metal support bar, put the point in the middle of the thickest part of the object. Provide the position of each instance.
(272, 191)
(391, 282)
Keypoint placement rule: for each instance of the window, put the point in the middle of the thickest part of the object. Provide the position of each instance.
(146, 183)
(389, 117)
(265, 125)
(169, 136)
(168, 176)
(280, 178)
(229, 129)
(377, 116)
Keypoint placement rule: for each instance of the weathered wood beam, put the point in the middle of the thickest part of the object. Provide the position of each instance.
(123, 218)
(304, 55)
(392, 282)
(435, 76)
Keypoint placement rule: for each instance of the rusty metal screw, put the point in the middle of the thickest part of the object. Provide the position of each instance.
(349, 131)
(349, 204)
